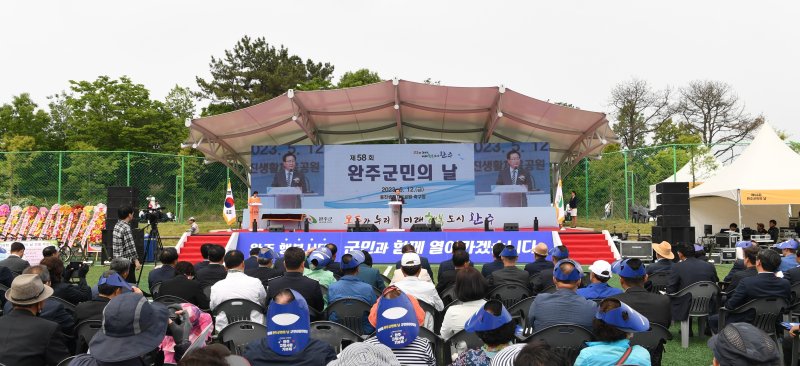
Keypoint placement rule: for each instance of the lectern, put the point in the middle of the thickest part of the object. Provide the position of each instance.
(286, 197)
(396, 220)
(511, 195)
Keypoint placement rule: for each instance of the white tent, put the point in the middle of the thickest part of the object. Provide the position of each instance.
(705, 165)
(761, 184)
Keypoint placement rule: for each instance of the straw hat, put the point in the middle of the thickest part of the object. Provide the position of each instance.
(664, 249)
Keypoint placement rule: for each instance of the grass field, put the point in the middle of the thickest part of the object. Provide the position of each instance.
(697, 353)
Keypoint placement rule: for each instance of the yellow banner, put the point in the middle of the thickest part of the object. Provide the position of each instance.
(770, 197)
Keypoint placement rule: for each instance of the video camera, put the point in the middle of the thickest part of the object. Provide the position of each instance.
(154, 215)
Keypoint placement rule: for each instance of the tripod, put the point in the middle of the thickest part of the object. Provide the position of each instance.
(153, 239)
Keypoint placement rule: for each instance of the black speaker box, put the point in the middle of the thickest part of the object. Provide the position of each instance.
(668, 209)
(365, 228)
(671, 221)
(420, 228)
(672, 199)
(511, 226)
(636, 249)
(673, 235)
(138, 239)
(276, 228)
(676, 187)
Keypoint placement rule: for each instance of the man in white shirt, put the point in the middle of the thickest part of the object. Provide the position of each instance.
(237, 285)
(411, 265)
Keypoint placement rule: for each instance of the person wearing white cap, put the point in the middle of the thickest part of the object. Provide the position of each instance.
(411, 265)
(193, 228)
(599, 276)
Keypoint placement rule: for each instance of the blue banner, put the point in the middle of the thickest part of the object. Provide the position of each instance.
(385, 247)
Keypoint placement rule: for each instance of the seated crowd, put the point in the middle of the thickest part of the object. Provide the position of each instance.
(466, 318)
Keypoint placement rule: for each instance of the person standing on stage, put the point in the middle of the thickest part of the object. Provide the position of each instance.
(573, 208)
(122, 242)
(515, 175)
(397, 197)
(254, 209)
(288, 176)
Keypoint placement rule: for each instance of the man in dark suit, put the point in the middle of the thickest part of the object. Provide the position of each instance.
(509, 274)
(397, 197)
(447, 279)
(370, 275)
(28, 340)
(334, 266)
(185, 287)
(496, 264)
(750, 258)
(540, 262)
(762, 285)
(168, 258)
(203, 253)
(110, 285)
(448, 266)
(252, 261)
(215, 270)
(293, 259)
(544, 279)
(14, 261)
(664, 257)
(264, 271)
(288, 176)
(408, 248)
(684, 273)
(654, 306)
(513, 174)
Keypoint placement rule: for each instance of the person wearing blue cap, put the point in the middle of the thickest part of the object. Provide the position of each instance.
(684, 273)
(544, 279)
(493, 324)
(789, 252)
(738, 264)
(370, 275)
(564, 306)
(613, 326)
(600, 273)
(750, 256)
(265, 271)
(109, 286)
(350, 286)
(317, 262)
(654, 306)
(509, 274)
(288, 340)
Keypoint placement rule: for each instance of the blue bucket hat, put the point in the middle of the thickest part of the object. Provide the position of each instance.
(132, 326)
(744, 244)
(699, 248)
(322, 255)
(114, 280)
(624, 318)
(509, 251)
(575, 275)
(396, 326)
(624, 270)
(267, 253)
(288, 326)
(483, 320)
(358, 258)
(789, 244)
(559, 251)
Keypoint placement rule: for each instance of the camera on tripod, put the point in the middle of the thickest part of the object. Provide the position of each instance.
(154, 215)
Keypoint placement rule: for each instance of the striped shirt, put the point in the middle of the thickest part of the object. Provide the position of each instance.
(507, 355)
(122, 242)
(418, 352)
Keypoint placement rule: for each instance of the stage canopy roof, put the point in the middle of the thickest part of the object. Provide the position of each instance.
(400, 110)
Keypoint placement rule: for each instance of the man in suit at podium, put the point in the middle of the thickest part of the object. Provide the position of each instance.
(288, 176)
(513, 174)
(397, 197)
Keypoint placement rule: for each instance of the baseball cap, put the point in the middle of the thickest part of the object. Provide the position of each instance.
(509, 251)
(559, 251)
(623, 318)
(575, 275)
(741, 344)
(114, 280)
(267, 253)
(321, 255)
(601, 268)
(410, 260)
(357, 259)
(744, 244)
(789, 244)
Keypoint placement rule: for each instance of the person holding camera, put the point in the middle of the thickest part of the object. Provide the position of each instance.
(60, 277)
(122, 244)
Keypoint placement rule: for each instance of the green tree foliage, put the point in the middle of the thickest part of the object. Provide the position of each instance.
(86, 174)
(359, 77)
(23, 117)
(255, 71)
(638, 110)
(180, 102)
(16, 162)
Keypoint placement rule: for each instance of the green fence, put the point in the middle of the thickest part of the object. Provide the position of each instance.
(183, 184)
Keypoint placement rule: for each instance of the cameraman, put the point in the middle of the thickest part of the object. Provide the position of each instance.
(59, 277)
(122, 242)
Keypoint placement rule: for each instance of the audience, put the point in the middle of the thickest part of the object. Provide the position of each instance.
(471, 290)
(750, 257)
(236, 285)
(350, 286)
(111, 285)
(196, 322)
(742, 344)
(370, 275)
(544, 279)
(25, 338)
(53, 310)
(613, 326)
(600, 273)
(397, 327)
(509, 274)
(119, 265)
(738, 264)
(288, 340)
(408, 248)
(496, 264)
(264, 271)
(61, 287)
(215, 269)
(448, 265)
(654, 306)
(460, 260)
(540, 262)
(184, 286)
(49, 251)
(333, 266)
(535, 353)
(168, 257)
(684, 273)
(494, 326)
(700, 252)
(203, 253)
(664, 257)
(366, 354)
(317, 263)
(14, 261)
(252, 261)
(564, 306)
(293, 259)
(789, 252)
(422, 290)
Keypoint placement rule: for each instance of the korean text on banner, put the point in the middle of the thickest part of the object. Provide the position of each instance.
(770, 197)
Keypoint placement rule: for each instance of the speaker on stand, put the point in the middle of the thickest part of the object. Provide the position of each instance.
(672, 214)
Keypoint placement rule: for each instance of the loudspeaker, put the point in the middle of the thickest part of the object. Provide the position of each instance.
(121, 197)
(673, 235)
(674, 210)
(138, 240)
(420, 228)
(365, 228)
(276, 228)
(669, 221)
(676, 187)
(707, 230)
(672, 199)
(636, 249)
(728, 255)
(511, 226)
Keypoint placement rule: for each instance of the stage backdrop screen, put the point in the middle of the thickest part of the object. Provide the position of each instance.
(428, 175)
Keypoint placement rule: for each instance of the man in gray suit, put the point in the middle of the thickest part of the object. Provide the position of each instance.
(14, 262)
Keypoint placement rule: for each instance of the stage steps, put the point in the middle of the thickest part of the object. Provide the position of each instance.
(191, 248)
(587, 248)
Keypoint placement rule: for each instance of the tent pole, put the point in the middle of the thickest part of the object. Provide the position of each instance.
(739, 205)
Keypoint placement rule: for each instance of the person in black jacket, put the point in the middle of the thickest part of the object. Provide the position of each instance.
(334, 266)
(109, 286)
(654, 306)
(53, 310)
(252, 261)
(540, 262)
(544, 279)
(203, 253)
(59, 276)
(750, 258)
(684, 273)
(448, 265)
(460, 260)
(168, 258)
(184, 287)
(264, 272)
(293, 259)
(510, 274)
(496, 264)
(664, 257)
(215, 270)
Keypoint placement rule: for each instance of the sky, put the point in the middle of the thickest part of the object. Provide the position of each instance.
(561, 51)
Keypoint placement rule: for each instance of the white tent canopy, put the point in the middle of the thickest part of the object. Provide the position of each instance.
(400, 110)
(704, 166)
(766, 164)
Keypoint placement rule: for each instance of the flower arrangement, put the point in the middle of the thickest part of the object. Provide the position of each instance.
(38, 222)
(60, 221)
(80, 225)
(4, 211)
(44, 233)
(94, 230)
(26, 218)
(11, 223)
(72, 220)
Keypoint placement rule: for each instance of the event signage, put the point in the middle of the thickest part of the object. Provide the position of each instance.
(769, 196)
(385, 247)
(33, 249)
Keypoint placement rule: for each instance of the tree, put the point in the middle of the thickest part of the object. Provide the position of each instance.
(23, 117)
(255, 71)
(17, 159)
(180, 102)
(359, 77)
(638, 110)
(713, 111)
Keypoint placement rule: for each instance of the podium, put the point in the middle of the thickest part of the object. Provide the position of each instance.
(255, 209)
(286, 197)
(511, 195)
(397, 208)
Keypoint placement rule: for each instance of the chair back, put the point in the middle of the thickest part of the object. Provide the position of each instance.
(237, 335)
(65, 361)
(659, 281)
(207, 291)
(349, 312)
(509, 294)
(324, 290)
(767, 311)
(385, 279)
(237, 310)
(653, 340)
(449, 294)
(703, 293)
(458, 343)
(377, 291)
(565, 339)
(437, 344)
(84, 332)
(155, 289)
(519, 312)
(335, 334)
(68, 306)
(430, 311)
(169, 300)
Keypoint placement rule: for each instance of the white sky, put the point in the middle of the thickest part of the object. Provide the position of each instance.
(570, 51)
